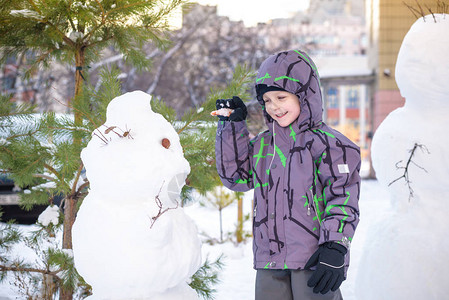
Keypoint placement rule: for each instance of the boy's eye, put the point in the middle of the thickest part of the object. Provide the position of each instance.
(266, 100)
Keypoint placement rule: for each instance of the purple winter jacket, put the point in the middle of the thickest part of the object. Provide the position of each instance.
(305, 176)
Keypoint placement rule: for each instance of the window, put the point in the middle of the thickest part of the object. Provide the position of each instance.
(9, 82)
(353, 100)
(332, 99)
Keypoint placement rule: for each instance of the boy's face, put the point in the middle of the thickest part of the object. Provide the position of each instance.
(282, 106)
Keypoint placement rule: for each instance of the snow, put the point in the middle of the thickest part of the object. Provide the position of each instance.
(131, 228)
(47, 185)
(76, 35)
(4, 142)
(49, 215)
(399, 249)
(238, 276)
(26, 13)
(405, 253)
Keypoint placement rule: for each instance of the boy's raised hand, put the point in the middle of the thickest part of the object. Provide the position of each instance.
(238, 111)
(329, 274)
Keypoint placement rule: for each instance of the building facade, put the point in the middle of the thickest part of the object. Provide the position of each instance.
(388, 21)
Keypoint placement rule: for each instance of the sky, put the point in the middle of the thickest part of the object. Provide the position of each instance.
(254, 11)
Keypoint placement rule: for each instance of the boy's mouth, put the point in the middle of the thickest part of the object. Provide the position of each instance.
(281, 115)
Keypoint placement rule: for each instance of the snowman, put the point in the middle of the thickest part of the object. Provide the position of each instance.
(405, 256)
(131, 237)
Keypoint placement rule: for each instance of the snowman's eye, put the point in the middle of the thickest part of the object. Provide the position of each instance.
(165, 143)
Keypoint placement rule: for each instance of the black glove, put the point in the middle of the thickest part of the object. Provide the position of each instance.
(240, 112)
(329, 274)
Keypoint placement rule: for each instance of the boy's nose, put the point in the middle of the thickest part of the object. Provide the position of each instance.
(274, 106)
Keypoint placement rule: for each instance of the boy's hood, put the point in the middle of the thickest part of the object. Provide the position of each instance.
(295, 72)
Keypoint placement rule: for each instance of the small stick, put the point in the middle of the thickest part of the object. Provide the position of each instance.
(406, 168)
(159, 204)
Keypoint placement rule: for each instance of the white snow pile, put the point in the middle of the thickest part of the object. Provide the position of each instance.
(49, 215)
(26, 13)
(131, 238)
(405, 255)
(4, 142)
(76, 35)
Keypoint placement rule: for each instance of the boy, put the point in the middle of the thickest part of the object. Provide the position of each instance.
(305, 177)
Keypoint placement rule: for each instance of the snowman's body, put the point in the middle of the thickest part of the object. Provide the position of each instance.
(405, 254)
(131, 238)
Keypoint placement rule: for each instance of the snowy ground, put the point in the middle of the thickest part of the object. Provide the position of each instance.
(237, 277)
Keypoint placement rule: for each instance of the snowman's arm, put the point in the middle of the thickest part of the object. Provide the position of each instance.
(232, 154)
(338, 170)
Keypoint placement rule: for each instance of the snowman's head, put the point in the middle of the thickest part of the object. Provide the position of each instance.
(422, 67)
(136, 154)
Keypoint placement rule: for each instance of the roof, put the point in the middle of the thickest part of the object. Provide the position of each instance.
(342, 66)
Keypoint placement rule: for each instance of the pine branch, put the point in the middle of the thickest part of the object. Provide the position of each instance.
(69, 18)
(8, 109)
(101, 7)
(125, 7)
(11, 137)
(28, 270)
(49, 178)
(242, 77)
(206, 277)
(52, 170)
(9, 236)
(75, 182)
(82, 113)
(35, 6)
(24, 170)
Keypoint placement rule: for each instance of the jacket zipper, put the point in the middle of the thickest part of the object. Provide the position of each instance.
(309, 204)
(314, 206)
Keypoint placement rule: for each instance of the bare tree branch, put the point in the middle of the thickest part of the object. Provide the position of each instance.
(171, 52)
(406, 168)
(160, 205)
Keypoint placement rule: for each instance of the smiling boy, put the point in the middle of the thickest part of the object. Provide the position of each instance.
(305, 177)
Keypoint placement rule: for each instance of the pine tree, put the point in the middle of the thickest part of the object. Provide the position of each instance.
(74, 32)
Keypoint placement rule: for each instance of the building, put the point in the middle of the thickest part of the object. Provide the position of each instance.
(327, 28)
(388, 21)
(347, 86)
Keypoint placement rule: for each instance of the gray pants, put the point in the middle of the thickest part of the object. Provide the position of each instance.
(288, 285)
